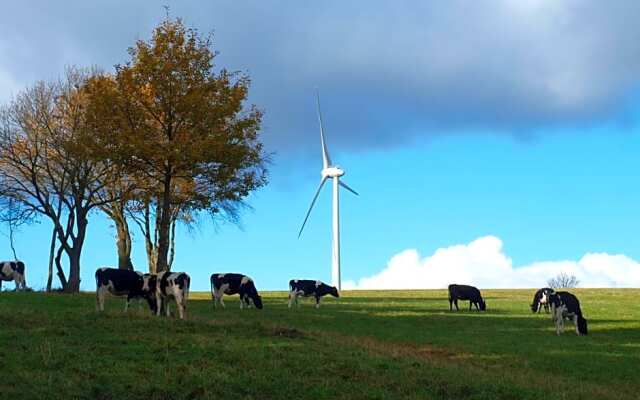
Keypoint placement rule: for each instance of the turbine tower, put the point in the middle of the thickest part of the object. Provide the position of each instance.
(334, 172)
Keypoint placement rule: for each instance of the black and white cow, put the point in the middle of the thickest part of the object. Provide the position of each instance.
(222, 284)
(465, 292)
(307, 288)
(170, 285)
(13, 271)
(541, 299)
(566, 305)
(123, 282)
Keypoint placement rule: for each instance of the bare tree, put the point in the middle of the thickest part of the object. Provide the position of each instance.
(47, 166)
(563, 281)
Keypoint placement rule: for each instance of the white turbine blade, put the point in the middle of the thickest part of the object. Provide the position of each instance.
(312, 203)
(326, 160)
(344, 185)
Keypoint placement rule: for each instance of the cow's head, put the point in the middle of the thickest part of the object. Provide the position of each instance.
(334, 291)
(149, 283)
(482, 304)
(257, 300)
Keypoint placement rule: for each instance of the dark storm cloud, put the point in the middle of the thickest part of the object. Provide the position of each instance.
(389, 72)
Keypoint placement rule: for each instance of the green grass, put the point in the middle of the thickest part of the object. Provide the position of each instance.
(365, 345)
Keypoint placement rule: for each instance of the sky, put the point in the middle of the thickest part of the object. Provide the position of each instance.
(492, 143)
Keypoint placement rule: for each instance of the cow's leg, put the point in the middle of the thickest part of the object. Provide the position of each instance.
(180, 305)
(317, 302)
(99, 299)
(470, 305)
(575, 322)
(167, 303)
(291, 294)
(126, 303)
(455, 302)
(241, 303)
(222, 300)
(450, 304)
(158, 304)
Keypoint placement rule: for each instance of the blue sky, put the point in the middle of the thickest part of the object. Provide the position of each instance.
(514, 120)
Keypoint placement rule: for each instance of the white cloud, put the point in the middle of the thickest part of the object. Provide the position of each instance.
(483, 263)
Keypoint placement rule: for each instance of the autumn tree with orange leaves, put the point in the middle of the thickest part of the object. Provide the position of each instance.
(181, 131)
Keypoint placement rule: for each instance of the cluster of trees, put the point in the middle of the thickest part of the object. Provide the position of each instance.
(161, 140)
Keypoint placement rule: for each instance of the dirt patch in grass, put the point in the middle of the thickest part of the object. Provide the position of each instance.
(291, 333)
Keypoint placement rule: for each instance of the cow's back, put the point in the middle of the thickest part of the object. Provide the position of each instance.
(232, 281)
(121, 279)
(464, 292)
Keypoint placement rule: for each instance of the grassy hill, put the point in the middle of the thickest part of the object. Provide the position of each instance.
(365, 345)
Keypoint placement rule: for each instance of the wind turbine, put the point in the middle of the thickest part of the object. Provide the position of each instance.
(334, 172)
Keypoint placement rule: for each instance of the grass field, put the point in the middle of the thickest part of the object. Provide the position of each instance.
(365, 345)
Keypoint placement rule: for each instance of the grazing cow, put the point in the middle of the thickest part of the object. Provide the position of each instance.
(541, 299)
(124, 282)
(13, 271)
(222, 284)
(566, 305)
(306, 288)
(465, 292)
(171, 285)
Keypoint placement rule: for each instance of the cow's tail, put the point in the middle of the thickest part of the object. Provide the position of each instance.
(290, 287)
(582, 322)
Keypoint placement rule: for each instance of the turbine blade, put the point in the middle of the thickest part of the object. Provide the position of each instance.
(344, 185)
(326, 160)
(312, 203)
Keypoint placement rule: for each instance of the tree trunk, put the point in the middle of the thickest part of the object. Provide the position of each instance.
(148, 243)
(123, 242)
(74, 253)
(165, 224)
(73, 285)
(11, 242)
(172, 249)
(60, 271)
(52, 250)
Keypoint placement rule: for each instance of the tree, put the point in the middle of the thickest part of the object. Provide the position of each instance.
(182, 129)
(47, 165)
(563, 281)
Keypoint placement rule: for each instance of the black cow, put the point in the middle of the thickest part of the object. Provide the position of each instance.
(13, 271)
(123, 282)
(306, 288)
(170, 285)
(465, 292)
(566, 305)
(222, 284)
(541, 299)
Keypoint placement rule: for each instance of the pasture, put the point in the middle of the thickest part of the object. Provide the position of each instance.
(365, 345)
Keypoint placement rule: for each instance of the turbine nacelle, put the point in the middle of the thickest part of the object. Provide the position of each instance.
(331, 172)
